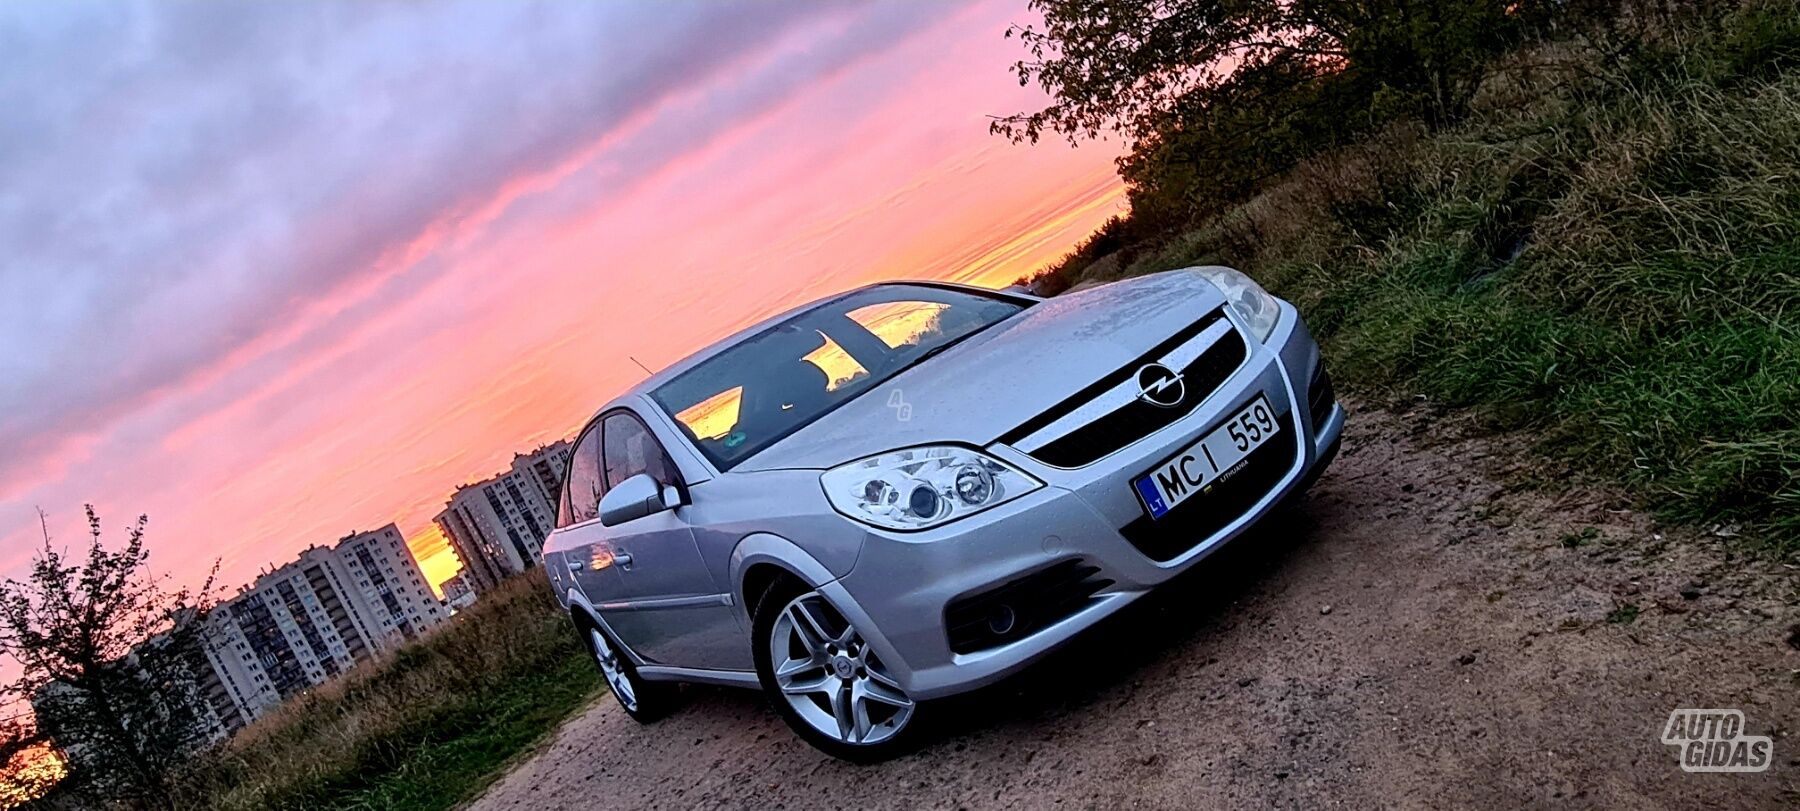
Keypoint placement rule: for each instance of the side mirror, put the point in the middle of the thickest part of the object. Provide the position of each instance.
(635, 498)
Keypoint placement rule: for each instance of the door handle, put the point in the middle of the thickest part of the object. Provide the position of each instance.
(576, 565)
(623, 559)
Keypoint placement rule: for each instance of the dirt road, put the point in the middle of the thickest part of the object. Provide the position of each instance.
(1418, 633)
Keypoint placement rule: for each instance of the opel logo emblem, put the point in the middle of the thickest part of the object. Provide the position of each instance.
(1158, 385)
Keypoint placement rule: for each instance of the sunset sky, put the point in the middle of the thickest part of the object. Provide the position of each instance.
(274, 273)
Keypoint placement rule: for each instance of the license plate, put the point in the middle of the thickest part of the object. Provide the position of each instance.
(1190, 472)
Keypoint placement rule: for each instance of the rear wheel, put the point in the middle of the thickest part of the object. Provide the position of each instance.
(827, 684)
(644, 701)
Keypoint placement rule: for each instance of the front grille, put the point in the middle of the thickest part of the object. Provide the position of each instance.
(1021, 607)
(1135, 419)
(1320, 397)
(1220, 503)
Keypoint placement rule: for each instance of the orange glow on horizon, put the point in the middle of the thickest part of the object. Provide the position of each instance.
(30, 774)
(436, 559)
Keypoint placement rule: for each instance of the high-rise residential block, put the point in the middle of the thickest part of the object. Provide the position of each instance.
(313, 618)
(497, 526)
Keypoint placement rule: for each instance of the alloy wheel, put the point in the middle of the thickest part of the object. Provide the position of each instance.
(614, 671)
(829, 676)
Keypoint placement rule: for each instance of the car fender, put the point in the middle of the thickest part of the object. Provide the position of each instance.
(763, 547)
(774, 549)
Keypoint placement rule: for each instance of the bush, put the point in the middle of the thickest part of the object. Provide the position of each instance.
(1605, 253)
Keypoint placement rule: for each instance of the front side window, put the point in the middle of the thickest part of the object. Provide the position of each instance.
(582, 491)
(630, 449)
(750, 395)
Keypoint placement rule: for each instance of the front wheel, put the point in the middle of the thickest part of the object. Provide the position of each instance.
(829, 687)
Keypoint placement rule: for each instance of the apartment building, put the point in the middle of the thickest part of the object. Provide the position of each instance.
(497, 526)
(311, 619)
(388, 587)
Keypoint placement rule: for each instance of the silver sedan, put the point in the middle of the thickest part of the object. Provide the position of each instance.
(912, 490)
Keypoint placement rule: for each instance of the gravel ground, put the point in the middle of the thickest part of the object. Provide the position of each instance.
(1435, 626)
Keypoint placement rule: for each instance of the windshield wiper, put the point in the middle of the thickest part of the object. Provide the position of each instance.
(933, 352)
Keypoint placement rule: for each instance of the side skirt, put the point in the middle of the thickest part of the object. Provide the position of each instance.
(694, 675)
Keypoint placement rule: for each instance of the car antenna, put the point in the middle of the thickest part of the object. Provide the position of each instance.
(641, 365)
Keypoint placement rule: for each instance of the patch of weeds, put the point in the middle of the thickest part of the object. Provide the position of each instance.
(1624, 614)
(1572, 540)
(425, 728)
(1498, 516)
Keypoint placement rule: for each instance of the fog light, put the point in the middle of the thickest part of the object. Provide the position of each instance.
(1002, 621)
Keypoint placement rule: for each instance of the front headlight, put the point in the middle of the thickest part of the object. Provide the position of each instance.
(1252, 303)
(919, 488)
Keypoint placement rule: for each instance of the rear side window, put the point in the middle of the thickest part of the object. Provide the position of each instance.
(581, 495)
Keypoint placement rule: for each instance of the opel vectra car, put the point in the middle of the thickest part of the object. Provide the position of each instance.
(912, 490)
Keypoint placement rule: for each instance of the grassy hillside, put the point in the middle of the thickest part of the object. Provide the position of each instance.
(1607, 252)
(424, 728)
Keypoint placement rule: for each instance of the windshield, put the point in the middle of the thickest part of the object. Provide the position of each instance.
(745, 398)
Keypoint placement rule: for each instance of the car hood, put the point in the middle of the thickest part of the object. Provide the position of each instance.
(989, 383)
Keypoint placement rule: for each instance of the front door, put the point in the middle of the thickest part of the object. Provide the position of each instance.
(587, 552)
(667, 607)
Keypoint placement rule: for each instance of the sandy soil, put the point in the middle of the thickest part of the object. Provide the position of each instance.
(1423, 631)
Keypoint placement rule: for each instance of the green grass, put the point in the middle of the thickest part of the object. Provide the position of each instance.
(1610, 260)
(466, 749)
(426, 727)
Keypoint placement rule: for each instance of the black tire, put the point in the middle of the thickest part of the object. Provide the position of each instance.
(654, 700)
(767, 609)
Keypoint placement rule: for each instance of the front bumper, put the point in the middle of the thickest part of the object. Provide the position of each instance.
(902, 584)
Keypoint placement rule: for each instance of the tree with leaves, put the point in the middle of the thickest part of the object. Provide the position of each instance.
(108, 662)
(1126, 65)
(1216, 96)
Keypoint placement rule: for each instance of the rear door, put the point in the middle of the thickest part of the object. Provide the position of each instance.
(668, 607)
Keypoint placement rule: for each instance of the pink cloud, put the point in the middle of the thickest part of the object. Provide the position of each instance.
(503, 322)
